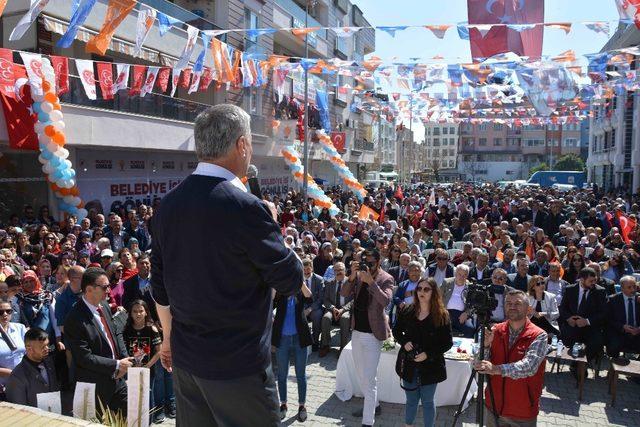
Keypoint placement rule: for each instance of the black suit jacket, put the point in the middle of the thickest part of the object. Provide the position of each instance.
(132, 292)
(596, 302)
(617, 313)
(473, 273)
(540, 219)
(397, 275)
(90, 349)
(450, 271)
(216, 255)
(302, 326)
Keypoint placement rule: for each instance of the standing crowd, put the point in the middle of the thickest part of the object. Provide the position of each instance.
(76, 301)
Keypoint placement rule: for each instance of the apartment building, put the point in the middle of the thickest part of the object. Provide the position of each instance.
(441, 146)
(121, 146)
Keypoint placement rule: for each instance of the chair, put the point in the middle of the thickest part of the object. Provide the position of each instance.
(454, 252)
(561, 249)
(609, 252)
(458, 245)
(589, 251)
(427, 252)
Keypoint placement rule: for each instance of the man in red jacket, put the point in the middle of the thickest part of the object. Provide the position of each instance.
(516, 352)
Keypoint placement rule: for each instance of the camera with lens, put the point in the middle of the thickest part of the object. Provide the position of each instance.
(480, 297)
(415, 351)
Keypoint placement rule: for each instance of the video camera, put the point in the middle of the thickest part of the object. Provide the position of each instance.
(480, 297)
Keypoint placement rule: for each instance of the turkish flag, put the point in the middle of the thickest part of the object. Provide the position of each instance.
(105, 78)
(139, 72)
(20, 118)
(61, 67)
(398, 194)
(206, 78)
(7, 77)
(162, 81)
(627, 225)
(185, 78)
(338, 140)
(501, 39)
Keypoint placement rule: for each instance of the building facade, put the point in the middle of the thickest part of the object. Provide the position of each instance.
(441, 146)
(132, 150)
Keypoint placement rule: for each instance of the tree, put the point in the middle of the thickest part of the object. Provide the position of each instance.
(569, 162)
(435, 168)
(540, 167)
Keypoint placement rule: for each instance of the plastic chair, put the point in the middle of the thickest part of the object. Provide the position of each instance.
(454, 252)
(458, 245)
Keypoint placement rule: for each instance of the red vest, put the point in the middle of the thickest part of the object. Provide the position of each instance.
(523, 400)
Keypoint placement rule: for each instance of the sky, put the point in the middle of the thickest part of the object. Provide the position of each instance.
(420, 42)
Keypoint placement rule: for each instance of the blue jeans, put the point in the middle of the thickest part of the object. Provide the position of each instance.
(425, 393)
(290, 344)
(163, 386)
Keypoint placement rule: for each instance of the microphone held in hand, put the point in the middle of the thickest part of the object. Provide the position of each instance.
(252, 178)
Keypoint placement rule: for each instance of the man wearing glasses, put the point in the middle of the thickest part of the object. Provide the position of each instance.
(98, 350)
(500, 289)
(443, 269)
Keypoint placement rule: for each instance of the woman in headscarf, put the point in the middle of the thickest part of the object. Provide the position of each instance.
(38, 308)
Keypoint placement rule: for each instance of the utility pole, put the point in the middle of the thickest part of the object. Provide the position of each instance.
(305, 159)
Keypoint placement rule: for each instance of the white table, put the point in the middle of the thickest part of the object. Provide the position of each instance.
(448, 392)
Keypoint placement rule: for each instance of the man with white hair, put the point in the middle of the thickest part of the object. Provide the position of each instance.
(623, 314)
(452, 291)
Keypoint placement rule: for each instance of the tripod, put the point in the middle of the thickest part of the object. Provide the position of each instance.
(483, 319)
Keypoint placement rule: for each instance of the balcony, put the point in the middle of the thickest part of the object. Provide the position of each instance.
(364, 146)
(195, 17)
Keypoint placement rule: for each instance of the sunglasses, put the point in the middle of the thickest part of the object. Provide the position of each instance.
(119, 270)
(8, 311)
(425, 289)
(540, 284)
(104, 288)
(49, 238)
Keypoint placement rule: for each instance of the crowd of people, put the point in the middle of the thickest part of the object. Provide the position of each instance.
(403, 272)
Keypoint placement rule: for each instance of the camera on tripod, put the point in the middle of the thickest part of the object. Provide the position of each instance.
(480, 297)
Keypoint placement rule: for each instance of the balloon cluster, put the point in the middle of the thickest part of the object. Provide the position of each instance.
(53, 156)
(340, 166)
(320, 199)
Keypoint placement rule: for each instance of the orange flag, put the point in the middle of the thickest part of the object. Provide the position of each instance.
(366, 213)
(3, 3)
(117, 11)
(220, 54)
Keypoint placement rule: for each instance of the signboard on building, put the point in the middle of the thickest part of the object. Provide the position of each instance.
(315, 82)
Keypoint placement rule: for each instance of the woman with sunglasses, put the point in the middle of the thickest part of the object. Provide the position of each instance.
(423, 330)
(393, 260)
(544, 305)
(575, 265)
(11, 343)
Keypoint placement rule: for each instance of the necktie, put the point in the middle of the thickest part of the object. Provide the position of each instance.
(631, 321)
(583, 303)
(107, 331)
(338, 286)
(43, 373)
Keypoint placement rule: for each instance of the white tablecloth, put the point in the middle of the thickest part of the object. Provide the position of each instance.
(448, 392)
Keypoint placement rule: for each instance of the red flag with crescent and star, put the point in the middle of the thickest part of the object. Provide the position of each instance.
(627, 225)
(338, 140)
(519, 39)
(105, 78)
(18, 114)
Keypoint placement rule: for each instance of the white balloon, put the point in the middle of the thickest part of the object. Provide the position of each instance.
(39, 128)
(42, 160)
(52, 146)
(55, 116)
(47, 107)
(37, 98)
(59, 125)
(46, 169)
(64, 153)
(68, 163)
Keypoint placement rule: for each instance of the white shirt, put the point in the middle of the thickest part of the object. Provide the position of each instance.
(209, 169)
(455, 302)
(96, 317)
(555, 287)
(410, 292)
(440, 275)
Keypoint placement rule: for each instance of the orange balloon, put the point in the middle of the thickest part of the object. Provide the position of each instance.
(46, 86)
(50, 131)
(59, 139)
(50, 96)
(57, 106)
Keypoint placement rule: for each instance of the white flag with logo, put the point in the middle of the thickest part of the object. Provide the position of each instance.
(33, 65)
(175, 78)
(152, 74)
(122, 77)
(146, 18)
(195, 82)
(192, 39)
(87, 77)
(25, 22)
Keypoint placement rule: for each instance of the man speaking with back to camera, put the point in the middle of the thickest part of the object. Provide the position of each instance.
(213, 285)
(515, 353)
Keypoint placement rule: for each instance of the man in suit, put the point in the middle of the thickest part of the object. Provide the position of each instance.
(314, 310)
(554, 283)
(623, 319)
(500, 289)
(540, 266)
(337, 310)
(213, 290)
(139, 287)
(582, 313)
(36, 372)
(98, 350)
(538, 215)
(442, 269)
(481, 270)
(401, 272)
(116, 235)
(520, 279)
(453, 298)
(372, 290)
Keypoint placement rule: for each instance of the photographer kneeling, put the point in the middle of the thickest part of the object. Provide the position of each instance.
(515, 353)
(423, 330)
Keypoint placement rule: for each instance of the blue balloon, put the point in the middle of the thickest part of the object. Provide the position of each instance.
(43, 117)
(36, 108)
(46, 154)
(55, 161)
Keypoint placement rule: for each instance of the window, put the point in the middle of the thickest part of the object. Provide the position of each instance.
(254, 99)
(452, 130)
(451, 163)
(443, 164)
(436, 153)
(436, 131)
(482, 127)
(452, 152)
(497, 142)
(428, 131)
(497, 126)
(482, 141)
(250, 22)
(452, 141)
(436, 142)
(571, 142)
(445, 131)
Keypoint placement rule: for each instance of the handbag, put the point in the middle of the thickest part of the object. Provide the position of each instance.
(406, 368)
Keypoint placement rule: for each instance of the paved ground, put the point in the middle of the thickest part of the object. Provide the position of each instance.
(559, 403)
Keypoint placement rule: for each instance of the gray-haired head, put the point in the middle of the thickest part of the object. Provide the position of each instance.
(218, 128)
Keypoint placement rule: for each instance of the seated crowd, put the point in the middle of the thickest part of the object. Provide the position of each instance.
(574, 254)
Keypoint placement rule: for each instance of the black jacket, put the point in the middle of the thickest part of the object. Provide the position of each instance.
(91, 351)
(428, 338)
(617, 313)
(218, 279)
(596, 305)
(398, 276)
(302, 326)
(26, 382)
(132, 292)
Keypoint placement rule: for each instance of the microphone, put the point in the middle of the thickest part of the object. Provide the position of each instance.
(252, 178)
